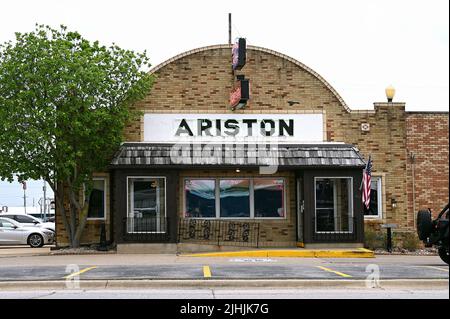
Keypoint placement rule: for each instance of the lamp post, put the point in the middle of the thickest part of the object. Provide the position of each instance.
(390, 92)
(24, 187)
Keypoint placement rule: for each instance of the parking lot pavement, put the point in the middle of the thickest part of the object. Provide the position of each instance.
(113, 267)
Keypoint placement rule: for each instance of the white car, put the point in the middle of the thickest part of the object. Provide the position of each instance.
(28, 220)
(13, 233)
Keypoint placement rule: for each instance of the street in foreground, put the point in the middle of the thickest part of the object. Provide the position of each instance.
(171, 276)
(262, 293)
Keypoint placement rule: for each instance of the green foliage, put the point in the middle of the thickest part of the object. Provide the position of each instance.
(410, 241)
(374, 240)
(64, 102)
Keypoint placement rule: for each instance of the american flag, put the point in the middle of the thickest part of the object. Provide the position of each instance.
(366, 183)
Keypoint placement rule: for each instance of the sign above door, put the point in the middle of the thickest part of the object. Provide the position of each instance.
(233, 128)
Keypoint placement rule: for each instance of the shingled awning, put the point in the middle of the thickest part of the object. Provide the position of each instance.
(213, 155)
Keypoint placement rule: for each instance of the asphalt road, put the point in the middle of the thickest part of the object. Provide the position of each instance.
(219, 271)
(113, 267)
(333, 277)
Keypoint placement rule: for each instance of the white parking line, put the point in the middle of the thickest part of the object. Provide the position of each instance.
(438, 268)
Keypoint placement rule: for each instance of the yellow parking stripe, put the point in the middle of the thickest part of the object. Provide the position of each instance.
(334, 271)
(79, 272)
(206, 272)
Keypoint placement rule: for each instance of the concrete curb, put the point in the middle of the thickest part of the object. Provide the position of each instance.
(292, 253)
(227, 283)
(23, 255)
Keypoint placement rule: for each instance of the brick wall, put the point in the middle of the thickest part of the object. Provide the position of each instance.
(427, 140)
(200, 81)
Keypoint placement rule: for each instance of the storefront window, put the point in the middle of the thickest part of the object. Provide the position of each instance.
(97, 200)
(268, 196)
(146, 204)
(200, 198)
(235, 198)
(375, 207)
(333, 201)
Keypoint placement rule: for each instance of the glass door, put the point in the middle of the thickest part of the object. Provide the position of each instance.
(325, 200)
(300, 209)
(146, 205)
(334, 204)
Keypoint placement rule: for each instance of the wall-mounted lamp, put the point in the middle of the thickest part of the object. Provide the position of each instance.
(393, 202)
(238, 170)
(390, 92)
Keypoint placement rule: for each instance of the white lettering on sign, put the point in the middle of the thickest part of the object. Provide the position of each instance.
(232, 128)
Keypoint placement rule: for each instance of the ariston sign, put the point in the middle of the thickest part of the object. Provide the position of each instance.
(230, 128)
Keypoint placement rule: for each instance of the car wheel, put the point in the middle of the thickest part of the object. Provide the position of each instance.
(35, 240)
(424, 224)
(443, 253)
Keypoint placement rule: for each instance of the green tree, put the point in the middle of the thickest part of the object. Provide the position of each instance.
(64, 103)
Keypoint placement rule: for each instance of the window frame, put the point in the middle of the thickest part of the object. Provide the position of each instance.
(351, 195)
(379, 199)
(104, 198)
(251, 197)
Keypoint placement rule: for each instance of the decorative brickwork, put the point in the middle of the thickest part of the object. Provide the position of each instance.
(200, 81)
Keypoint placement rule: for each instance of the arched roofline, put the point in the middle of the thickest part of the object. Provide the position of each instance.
(260, 49)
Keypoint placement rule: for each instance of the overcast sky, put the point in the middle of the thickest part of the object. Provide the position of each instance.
(359, 47)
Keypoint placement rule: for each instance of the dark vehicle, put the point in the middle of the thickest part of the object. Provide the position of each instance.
(434, 232)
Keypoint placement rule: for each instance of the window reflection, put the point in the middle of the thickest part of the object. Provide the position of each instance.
(97, 199)
(234, 198)
(268, 195)
(374, 206)
(200, 198)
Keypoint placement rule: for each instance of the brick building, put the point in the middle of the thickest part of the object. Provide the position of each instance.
(164, 186)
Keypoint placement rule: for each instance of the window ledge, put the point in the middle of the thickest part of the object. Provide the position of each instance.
(373, 220)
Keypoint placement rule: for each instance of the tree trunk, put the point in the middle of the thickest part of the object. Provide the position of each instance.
(58, 190)
(76, 222)
(82, 219)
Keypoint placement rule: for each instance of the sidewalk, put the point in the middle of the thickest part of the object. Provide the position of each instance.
(19, 251)
(291, 253)
(431, 284)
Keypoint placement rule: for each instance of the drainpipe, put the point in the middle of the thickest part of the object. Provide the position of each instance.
(412, 156)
